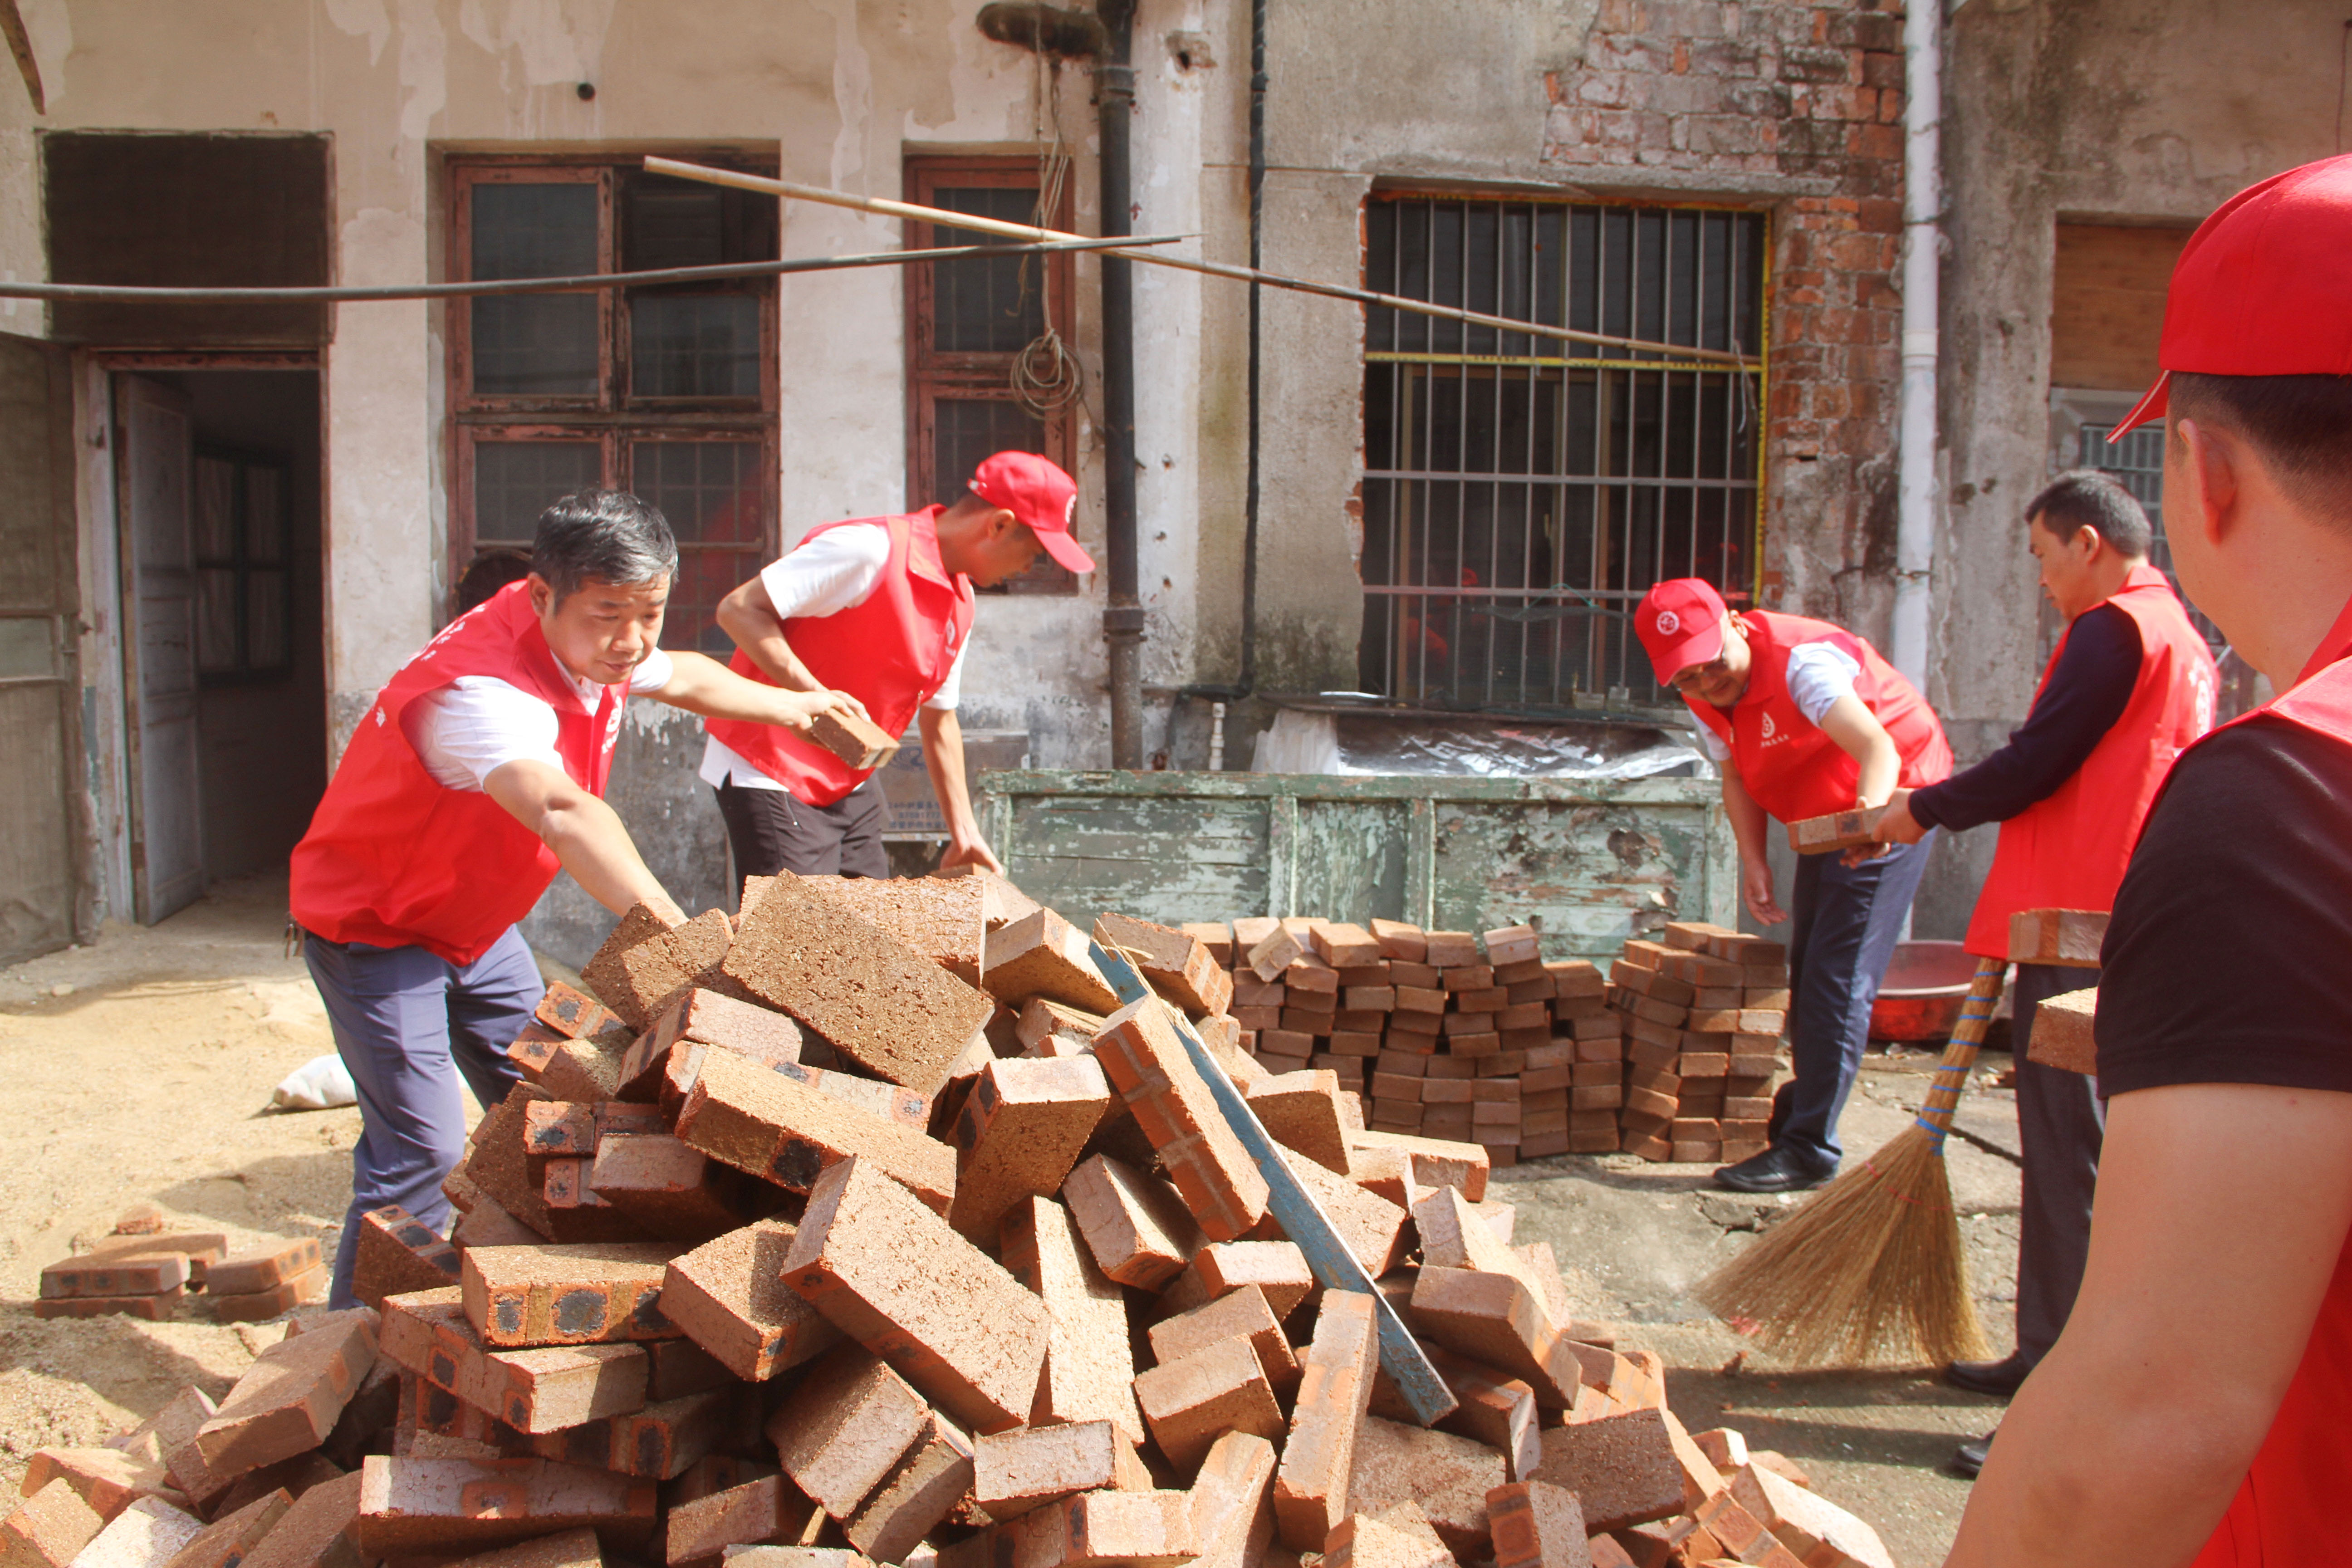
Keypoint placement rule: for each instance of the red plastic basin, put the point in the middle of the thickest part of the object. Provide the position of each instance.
(1926, 983)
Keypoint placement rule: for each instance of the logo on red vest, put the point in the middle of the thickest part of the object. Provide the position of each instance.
(1772, 736)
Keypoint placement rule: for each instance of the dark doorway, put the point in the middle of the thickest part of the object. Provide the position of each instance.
(225, 654)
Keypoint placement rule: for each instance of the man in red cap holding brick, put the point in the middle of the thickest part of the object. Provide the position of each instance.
(880, 608)
(2193, 1410)
(1804, 719)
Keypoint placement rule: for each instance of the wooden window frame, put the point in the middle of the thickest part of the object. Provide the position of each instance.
(612, 417)
(930, 373)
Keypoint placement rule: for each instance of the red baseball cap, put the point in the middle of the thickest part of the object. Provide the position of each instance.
(1681, 623)
(2263, 287)
(1036, 491)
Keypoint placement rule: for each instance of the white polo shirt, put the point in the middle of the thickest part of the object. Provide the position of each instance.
(830, 573)
(478, 724)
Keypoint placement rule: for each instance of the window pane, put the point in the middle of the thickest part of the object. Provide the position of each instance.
(694, 345)
(264, 516)
(966, 430)
(514, 481)
(711, 491)
(216, 509)
(216, 620)
(538, 345)
(666, 222)
(264, 620)
(985, 306)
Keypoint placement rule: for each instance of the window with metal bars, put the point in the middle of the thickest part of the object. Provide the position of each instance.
(1522, 493)
(669, 392)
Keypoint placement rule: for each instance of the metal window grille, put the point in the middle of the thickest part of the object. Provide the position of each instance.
(1521, 493)
(2137, 463)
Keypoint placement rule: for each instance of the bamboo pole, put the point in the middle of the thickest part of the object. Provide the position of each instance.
(882, 207)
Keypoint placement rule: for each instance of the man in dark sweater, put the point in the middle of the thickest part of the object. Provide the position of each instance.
(2130, 685)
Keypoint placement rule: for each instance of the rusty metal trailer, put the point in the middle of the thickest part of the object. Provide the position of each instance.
(1590, 861)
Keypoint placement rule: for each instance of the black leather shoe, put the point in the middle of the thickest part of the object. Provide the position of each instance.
(1970, 1457)
(1777, 1170)
(1998, 1378)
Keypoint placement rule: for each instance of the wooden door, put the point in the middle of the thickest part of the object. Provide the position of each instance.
(45, 896)
(154, 456)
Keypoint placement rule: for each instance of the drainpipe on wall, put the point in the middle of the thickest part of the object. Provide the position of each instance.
(1123, 620)
(1923, 199)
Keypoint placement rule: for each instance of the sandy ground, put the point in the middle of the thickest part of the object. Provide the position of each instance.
(143, 1067)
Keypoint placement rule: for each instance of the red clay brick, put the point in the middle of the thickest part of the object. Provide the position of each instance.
(729, 1296)
(416, 1505)
(893, 1013)
(96, 1275)
(49, 1531)
(147, 1535)
(287, 1400)
(1019, 1133)
(1311, 1489)
(319, 1531)
(657, 1443)
(252, 1271)
(1090, 1361)
(1242, 1314)
(1301, 1110)
(1811, 1526)
(1098, 1530)
(839, 1432)
(109, 1480)
(1016, 1472)
(230, 1539)
(591, 1293)
(1232, 1513)
(783, 1130)
(767, 1509)
(1436, 1162)
(576, 1015)
(1149, 1066)
(1622, 1468)
(399, 1253)
(929, 1481)
(568, 1548)
(1373, 1227)
(1446, 1477)
(707, 1018)
(1189, 1401)
(1172, 962)
(1399, 1537)
(943, 919)
(1497, 1320)
(1537, 1525)
(897, 1278)
(1041, 954)
(158, 1307)
(1136, 1226)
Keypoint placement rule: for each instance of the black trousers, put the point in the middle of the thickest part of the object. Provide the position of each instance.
(2060, 1124)
(771, 832)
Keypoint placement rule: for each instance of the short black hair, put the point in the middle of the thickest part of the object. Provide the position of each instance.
(604, 536)
(2086, 497)
(492, 570)
(2301, 425)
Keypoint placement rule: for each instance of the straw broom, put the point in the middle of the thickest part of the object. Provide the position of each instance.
(1871, 1268)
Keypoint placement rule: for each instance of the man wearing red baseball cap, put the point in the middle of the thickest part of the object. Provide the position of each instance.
(1803, 719)
(2192, 1410)
(880, 608)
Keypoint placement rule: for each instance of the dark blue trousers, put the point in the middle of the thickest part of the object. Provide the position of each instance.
(409, 1024)
(1843, 920)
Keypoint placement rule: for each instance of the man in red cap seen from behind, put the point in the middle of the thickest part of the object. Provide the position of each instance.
(2192, 1411)
(1804, 719)
(880, 608)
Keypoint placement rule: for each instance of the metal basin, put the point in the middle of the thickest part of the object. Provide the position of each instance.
(1926, 983)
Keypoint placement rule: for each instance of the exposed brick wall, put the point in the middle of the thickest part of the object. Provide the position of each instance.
(1784, 90)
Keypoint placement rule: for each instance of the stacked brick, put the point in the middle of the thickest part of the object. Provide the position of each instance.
(1705, 1011)
(144, 1271)
(798, 1249)
(1471, 1037)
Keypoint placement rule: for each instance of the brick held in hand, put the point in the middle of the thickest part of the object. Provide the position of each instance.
(1172, 963)
(1089, 1358)
(2063, 1036)
(588, 1293)
(1041, 954)
(703, 1016)
(1021, 1130)
(860, 743)
(287, 1400)
(411, 1506)
(846, 1422)
(729, 1296)
(781, 1128)
(897, 1277)
(1830, 834)
(1152, 1068)
(647, 976)
(1446, 1477)
(891, 1012)
(2071, 937)
(1016, 1472)
(399, 1253)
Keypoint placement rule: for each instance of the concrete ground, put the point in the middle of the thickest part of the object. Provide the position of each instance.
(140, 1070)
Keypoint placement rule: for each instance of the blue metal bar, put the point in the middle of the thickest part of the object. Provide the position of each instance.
(1295, 1208)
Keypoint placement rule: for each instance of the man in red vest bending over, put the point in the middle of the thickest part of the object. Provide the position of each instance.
(2130, 685)
(477, 774)
(1804, 719)
(2193, 1410)
(880, 608)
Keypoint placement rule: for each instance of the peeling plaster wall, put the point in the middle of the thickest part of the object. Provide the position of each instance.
(2106, 111)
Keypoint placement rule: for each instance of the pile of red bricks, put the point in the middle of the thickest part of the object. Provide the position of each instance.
(1705, 1015)
(144, 1271)
(798, 1249)
(1452, 1035)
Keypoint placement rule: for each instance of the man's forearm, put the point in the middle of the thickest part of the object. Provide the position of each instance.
(594, 844)
(942, 734)
(1746, 817)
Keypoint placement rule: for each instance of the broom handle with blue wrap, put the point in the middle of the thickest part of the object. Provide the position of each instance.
(1960, 1056)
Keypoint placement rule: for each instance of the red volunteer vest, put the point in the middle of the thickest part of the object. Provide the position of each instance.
(2288, 1510)
(396, 859)
(891, 653)
(2068, 850)
(1790, 765)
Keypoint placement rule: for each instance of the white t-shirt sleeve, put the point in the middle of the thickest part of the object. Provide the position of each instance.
(475, 725)
(653, 674)
(1709, 741)
(1819, 674)
(828, 573)
(950, 692)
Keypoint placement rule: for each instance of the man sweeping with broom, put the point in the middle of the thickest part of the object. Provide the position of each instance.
(2193, 1410)
(1804, 719)
(2129, 686)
